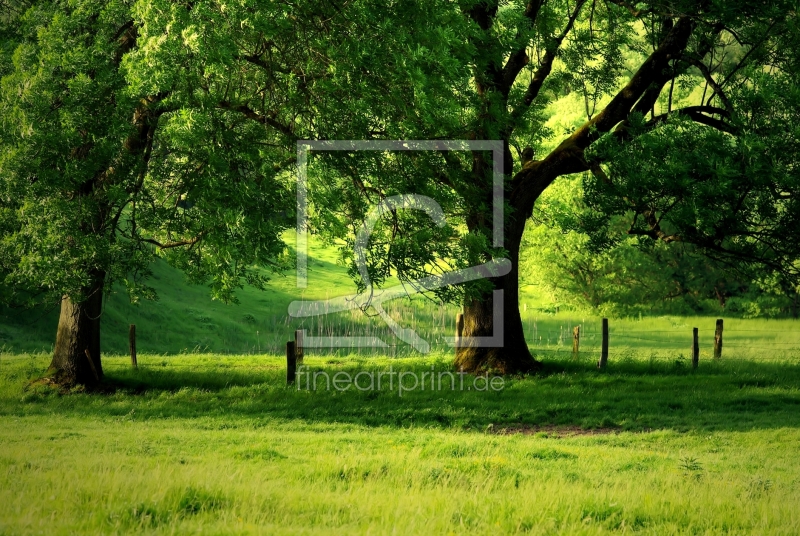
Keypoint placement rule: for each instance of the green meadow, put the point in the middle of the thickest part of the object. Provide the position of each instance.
(205, 436)
(635, 160)
(218, 444)
(185, 320)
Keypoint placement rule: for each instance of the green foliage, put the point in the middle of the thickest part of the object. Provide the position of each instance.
(705, 177)
(54, 145)
(584, 259)
(136, 129)
(709, 197)
(117, 145)
(730, 192)
(185, 319)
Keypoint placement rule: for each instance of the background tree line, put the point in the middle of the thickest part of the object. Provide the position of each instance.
(632, 275)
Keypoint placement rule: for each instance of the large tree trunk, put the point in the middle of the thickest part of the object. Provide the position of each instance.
(479, 321)
(79, 332)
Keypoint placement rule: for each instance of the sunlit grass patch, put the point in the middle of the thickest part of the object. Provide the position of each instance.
(220, 444)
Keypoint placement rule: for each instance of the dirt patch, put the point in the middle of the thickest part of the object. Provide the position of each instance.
(552, 430)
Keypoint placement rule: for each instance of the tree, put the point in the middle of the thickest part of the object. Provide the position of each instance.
(482, 69)
(124, 137)
(132, 129)
(624, 273)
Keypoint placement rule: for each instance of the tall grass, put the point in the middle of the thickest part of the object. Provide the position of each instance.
(218, 444)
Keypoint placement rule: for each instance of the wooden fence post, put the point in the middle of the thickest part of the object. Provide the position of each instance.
(695, 349)
(132, 345)
(291, 363)
(718, 340)
(298, 346)
(459, 330)
(91, 365)
(604, 349)
(576, 337)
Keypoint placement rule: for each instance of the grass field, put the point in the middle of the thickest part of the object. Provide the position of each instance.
(219, 445)
(206, 438)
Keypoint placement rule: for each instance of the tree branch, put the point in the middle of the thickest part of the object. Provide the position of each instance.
(568, 157)
(483, 14)
(545, 68)
(695, 113)
(633, 10)
(180, 243)
(706, 72)
(624, 101)
(519, 58)
(269, 120)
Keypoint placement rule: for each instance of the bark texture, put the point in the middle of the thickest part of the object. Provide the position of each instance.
(79, 331)
(514, 356)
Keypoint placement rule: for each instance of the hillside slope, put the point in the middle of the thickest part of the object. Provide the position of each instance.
(185, 318)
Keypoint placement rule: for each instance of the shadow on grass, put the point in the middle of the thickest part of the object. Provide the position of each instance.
(631, 395)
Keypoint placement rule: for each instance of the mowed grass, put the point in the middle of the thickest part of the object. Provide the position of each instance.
(219, 445)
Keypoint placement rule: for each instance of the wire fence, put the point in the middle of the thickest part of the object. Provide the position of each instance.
(546, 337)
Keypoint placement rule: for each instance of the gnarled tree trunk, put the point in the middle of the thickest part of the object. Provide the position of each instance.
(479, 320)
(79, 332)
(638, 96)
